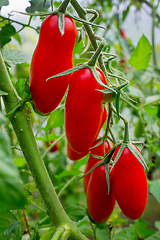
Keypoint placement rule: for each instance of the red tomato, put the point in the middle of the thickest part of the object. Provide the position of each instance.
(123, 34)
(83, 109)
(72, 155)
(53, 54)
(130, 184)
(100, 204)
(98, 150)
(55, 147)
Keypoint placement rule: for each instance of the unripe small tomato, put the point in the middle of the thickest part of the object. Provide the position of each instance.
(130, 184)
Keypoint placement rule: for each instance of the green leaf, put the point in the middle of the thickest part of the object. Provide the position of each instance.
(154, 236)
(128, 233)
(141, 228)
(21, 89)
(38, 5)
(75, 212)
(4, 3)
(13, 232)
(158, 86)
(154, 188)
(151, 110)
(15, 56)
(55, 120)
(19, 162)
(11, 189)
(141, 55)
(6, 33)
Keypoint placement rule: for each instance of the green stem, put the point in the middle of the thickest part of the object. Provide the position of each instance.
(93, 59)
(82, 14)
(126, 124)
(153, 35)
(63, 6)
(58, 233)
(22, 127)
(66, 185)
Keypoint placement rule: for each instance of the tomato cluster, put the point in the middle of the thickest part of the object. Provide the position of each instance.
(128, 185)
(84, 117)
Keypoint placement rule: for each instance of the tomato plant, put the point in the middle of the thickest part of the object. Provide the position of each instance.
(83, 109)
(130, 184)
(50, 59)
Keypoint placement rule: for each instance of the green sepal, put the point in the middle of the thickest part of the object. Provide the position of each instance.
(122, 147)
(69, 71)
(61, 22)
(107, 175)
(95, 74)
(95, 166)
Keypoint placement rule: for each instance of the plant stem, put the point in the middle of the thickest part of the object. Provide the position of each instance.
(82, 14)
(22, 127)
(63, 6)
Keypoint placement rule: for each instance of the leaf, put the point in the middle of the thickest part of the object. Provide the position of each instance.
(154, 236)
(128, 233)
(154, 188)
(11, 189)
(38, 5)
(75, 212)
(141, 228)
(141, 55)
(4, 3)
(21, 87)
(158, 86)
(6, 33)
(13, 232)
(19, 162)
(55, 120)
(15, 56)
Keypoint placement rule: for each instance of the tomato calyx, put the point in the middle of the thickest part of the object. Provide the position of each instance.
(133, 150)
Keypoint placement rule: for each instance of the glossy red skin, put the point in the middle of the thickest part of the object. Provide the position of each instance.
(100, 204)
(72, 155)
(53, 54)
(83, 109)
(98, 150)
(130, 184)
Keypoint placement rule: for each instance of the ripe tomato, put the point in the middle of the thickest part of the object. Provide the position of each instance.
(83, 109)
(100, 203)
(53, 54)
(55, 147)
(98, 150)
(72, 155)
(130, 184)
(123, 34)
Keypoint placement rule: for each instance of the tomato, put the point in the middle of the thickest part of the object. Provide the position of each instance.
(130, 184)
(83, 109)
(53, 54)
(100, 203)
(98, 150)
(123, 34)
(72, 155)
(55, 147)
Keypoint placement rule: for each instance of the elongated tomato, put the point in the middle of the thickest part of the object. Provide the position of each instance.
(130, 184)
(72, 155)
(53, 54)
(83, 109)
(100, 203)
(98, 151)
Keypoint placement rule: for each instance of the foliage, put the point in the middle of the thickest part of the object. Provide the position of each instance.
(139, 102)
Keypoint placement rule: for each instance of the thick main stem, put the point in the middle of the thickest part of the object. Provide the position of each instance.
(21, 124)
